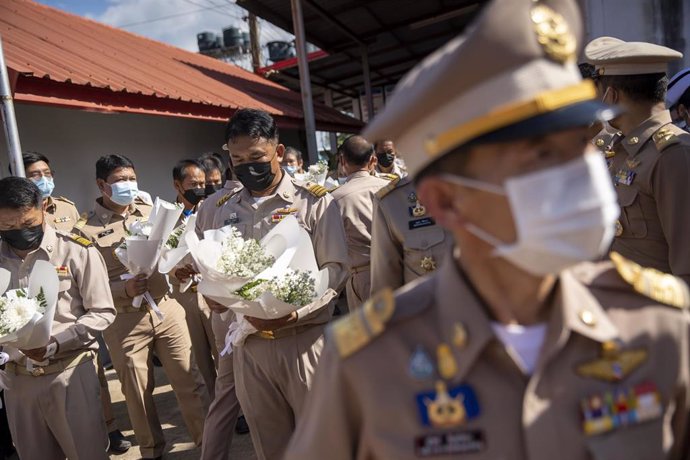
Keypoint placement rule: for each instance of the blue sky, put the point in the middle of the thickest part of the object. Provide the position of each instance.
(175, 22)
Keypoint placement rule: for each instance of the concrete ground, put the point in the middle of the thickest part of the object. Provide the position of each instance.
(180, 446)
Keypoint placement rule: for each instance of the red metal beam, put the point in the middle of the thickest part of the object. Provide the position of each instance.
(289, 63)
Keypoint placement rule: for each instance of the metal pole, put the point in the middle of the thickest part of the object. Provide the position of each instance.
(368, 96)
(304, 81)
(14, 149)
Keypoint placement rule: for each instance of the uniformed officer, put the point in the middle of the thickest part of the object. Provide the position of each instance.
(274, 367)
(54, 410)
(138, 332)
(506, 352)
(649, 158)
(189, 183)
(678, 99)
(406, 242)
(223, 413)
(62, 213)
(388, 163)
(355, 199)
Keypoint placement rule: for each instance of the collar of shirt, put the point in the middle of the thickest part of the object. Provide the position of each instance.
(50, 205)
(285, 192)
(105, 215)
(358, 174)
(645, 131)
(571, 301)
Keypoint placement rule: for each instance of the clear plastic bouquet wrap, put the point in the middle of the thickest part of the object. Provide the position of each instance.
(143, 246)
(175, 251)
(265, 279)
(316, 173)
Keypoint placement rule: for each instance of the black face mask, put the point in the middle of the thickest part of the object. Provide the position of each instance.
(211, 189)
(385, 159)
(255, 176)
(23, 239)
(194, 195)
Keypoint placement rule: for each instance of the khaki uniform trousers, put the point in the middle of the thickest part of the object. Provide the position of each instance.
(225, 408)
(132, 339)
(198, 317)
(272, 379)
(358, 287)
(106, 402)
(57, 416)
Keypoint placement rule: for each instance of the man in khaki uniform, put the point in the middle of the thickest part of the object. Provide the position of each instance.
(189, 183)
(54, 410)
(388, 164)
(518, 349)
(62, 214)
(649, 158)
(355, 199)
(406, 242)
(138, 332)
(274, 367)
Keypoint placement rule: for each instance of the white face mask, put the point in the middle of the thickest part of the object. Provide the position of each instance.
(605, 123)
(342, 180)
(563, 215)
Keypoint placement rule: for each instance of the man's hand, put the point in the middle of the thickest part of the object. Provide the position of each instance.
(184, 273)
(215, 306)
(38, 354)
(136, 286)
(272, 324)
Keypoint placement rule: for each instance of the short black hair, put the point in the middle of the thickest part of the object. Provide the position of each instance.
(211, 161)
(19, 193)
(356, 150)
(29, 158)
(179, 172)
(587, 70)
(645, 88)
(293, 151)
(109, 163)
(255, 123)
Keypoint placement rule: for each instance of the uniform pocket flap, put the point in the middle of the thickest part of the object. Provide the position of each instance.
(424, 238)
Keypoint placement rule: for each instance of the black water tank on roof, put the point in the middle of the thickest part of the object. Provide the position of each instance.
(207, 41)
(279, 51)
(232, 37)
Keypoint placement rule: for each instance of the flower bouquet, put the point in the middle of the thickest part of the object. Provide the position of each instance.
(26, 315)
(175, 251)
(265, 279)
(143, 246)
(316, 173)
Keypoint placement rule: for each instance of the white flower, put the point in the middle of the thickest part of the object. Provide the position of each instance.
(294, 287)
(140, 228)
(242, 258)
(16, 310)
(174, 239)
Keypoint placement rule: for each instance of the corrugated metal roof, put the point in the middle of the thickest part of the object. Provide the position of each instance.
(67, 60)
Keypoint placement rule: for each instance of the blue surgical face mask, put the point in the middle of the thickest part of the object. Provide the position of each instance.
(124, 192)
(46, 185)
(290, 170)
(342, 180)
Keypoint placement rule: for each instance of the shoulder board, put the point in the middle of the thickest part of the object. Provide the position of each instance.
(82, 220)
(665, 138)
(62, 198)
(356, 330)
(315, 189)
(656, 285)
(80, 239)
(383, 191)
(223, 200)
(391, 177)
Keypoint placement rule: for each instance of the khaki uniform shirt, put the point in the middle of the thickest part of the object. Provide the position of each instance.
(651, 171)
(61, 213)
(437, 383)
(355, 199)
(106, 230)
(404, 246)
(84, 306)
(315, 211)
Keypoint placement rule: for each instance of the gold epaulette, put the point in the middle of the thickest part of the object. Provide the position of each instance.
(62, 198)
(223, 200)
(80, 239)
(391, 177)
(315, 189)
(388, 188)
(83, 219)
(357, 329)
(665, 138)
(656, 285)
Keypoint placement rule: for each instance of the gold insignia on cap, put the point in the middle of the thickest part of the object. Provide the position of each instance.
(656, 285)
(553, 34)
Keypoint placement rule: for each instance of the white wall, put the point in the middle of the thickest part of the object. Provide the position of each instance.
(73, 140)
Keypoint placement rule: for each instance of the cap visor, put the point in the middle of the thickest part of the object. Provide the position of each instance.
(572, 116)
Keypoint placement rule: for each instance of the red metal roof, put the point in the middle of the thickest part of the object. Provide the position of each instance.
(66, 60)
